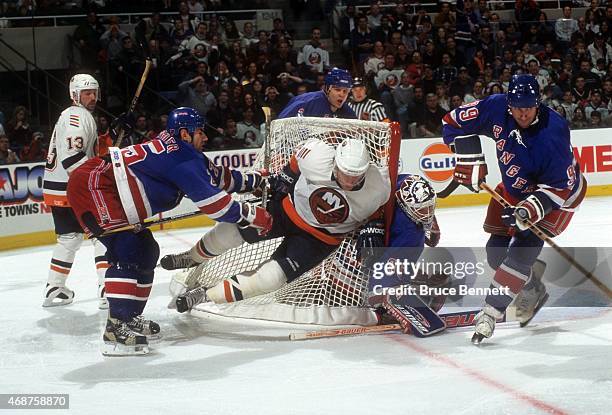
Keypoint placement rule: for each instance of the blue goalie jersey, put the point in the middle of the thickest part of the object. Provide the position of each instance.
(539, 157)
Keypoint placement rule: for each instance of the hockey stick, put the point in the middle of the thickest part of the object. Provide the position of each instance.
(452, 186)
(266, 162)
(143, 79)
(543, 236)
(160, 221)
(452, 320)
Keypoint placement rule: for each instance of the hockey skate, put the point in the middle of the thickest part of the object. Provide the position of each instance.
(102, 301)
(186, 301)
(177, 261)
(484, 323)
(532, 297)
(148, 328)
(119, 340)
(56, 295)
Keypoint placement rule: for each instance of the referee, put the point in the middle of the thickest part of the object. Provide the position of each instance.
(365, 108)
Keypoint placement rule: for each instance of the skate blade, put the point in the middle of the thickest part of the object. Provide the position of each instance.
(535, 310)
(103, 305)
(477, 338)
(115, 349)
(50, 303)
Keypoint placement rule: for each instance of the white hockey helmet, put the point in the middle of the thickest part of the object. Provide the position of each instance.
(417, 199)
(81, 82)
(352, 159)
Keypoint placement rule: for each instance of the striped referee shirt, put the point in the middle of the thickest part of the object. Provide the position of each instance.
(374, 109)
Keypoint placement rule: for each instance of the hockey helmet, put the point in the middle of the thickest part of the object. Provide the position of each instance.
(523, 91)
(81, 82)
(340, 78)
(184, 117)
(353, 160)
(416, 198)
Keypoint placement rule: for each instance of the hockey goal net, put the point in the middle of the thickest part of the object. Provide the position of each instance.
(335, 291)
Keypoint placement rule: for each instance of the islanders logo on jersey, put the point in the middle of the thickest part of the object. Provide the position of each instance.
(328, 206)
(437, 162)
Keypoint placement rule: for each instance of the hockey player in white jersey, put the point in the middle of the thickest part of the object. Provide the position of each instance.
(319, 197)
(74, 141)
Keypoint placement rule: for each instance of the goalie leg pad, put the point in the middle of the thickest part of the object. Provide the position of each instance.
(267, 278)
(221, 238)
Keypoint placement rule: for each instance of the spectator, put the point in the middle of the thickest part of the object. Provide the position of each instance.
(376, 60)
(111, 41)
(279, 33)
(446, 72)
(194, 93)
(443, 98)
(248, 36)
(467, 25)
(456, 102)
(262, 47)
(362, 40)
(248, 131)
(87, 37)
(275, 101)
(189, 20)
(579, 121)
(383, 32)
(34, 150)
(595, 120)
(596, 104)
(7, 156)
(445, 15)
(430, 122)
(430, 55)
(478, 93)
(195, 8)
(568, 105)
(547, 97)
(415, 69)
(461, 85)
(592, 80)
(313, 56)
(541, 75)
(179, 33)
(150, 28)
(198, 38)
(583, 32)
(607, 92)
(374, 16)
(18, 128)
(599, 49)
(231, 32)
(565, 27)
(546, 30)
(219, 115)
(402, 57)
(402, 97)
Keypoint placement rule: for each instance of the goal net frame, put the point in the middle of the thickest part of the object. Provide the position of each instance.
(334, 293)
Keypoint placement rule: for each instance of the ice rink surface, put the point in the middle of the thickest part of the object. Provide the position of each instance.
(561, 363)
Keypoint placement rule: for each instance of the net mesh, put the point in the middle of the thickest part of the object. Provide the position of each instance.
(331, 292)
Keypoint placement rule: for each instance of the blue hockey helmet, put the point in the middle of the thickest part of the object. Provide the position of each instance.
(184, 117)
(338, 77)
(523, 91)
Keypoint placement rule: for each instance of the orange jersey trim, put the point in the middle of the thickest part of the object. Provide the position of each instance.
(300, 223)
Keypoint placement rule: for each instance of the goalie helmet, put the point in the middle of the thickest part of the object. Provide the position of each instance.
(417, 199)
(81, 82)
(184, 117)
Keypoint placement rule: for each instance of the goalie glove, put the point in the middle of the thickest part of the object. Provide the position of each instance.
(370, 237)
(255, 217)
(532, 209)
(470, 166)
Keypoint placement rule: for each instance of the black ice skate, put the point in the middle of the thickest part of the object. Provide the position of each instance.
(186, 301)
(177, 261)
(56, 295)
(119, 340)
(148, 328)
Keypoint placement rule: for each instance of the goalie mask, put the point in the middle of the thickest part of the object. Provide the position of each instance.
(352, 161)
(417, 199)
(82, 82)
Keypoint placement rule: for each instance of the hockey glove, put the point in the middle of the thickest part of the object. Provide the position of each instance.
(432, 236)
(532, 209)
(253, 181)
(470, 165)
(370, 237)
(255, 217)
(124, 124)
(282, 184)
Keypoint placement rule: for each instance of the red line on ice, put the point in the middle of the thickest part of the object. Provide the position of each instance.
(534, 402)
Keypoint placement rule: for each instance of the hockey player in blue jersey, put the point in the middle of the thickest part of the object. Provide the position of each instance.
(540, 178)
(331, 102)
(137, 182)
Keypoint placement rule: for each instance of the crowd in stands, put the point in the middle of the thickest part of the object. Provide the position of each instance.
(419, 64)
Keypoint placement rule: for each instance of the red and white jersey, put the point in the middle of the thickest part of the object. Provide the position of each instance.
(73, 142)
(322, 203)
